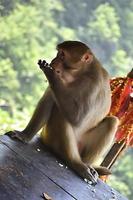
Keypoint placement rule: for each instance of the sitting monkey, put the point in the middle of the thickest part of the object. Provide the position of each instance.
(73, 110)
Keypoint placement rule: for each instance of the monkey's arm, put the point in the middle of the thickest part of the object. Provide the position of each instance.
(41, 113)
(65, 96)
(60, 92)
(39, 118)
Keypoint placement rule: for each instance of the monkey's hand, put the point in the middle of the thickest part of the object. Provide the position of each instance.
(49, 72)
(43, 64)
(45, 67)
(18, 135)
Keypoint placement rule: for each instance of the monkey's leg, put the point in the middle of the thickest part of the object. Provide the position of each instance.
(69, 152)
(59, 136)
(98, 141)
(38, 120)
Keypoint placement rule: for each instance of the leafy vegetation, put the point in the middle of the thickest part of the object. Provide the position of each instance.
(31, 29)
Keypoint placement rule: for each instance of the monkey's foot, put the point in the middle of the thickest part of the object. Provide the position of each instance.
(18, 135)
(91, 175)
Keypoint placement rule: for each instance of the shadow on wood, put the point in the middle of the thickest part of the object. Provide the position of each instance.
(27, 171)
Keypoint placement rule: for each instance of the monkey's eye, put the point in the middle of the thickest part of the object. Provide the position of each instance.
(61, 55)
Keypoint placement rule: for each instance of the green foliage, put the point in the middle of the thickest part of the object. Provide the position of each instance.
(20, 52)
(8, 78)
(121, 60)
(104, 30)
(10, 121)
(104, 24)
(122, 175)
(5, 121)
(6, 6)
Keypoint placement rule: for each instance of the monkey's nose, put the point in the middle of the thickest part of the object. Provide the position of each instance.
(58, 71)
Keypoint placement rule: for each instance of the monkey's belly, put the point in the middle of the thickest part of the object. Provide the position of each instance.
(43, 136)
(52, 133)
(47, 139)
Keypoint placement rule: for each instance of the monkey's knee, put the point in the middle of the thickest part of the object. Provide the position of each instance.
(108, 129)
(100, 140)
(111, 123)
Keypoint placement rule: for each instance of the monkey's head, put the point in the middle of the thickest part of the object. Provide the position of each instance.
(73, 57)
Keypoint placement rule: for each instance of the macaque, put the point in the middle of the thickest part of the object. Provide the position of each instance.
(72, 113)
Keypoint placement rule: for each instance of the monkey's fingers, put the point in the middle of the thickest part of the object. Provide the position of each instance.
(39, 62)
(92, 175)
(17, 135)
(46, 65)
(93, 171)
(42, 63)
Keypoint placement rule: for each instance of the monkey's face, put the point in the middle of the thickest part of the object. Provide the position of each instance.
(66, 65)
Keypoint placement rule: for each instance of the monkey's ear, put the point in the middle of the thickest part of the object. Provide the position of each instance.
(87, 57)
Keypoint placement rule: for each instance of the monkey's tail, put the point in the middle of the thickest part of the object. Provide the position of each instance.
(102, 171)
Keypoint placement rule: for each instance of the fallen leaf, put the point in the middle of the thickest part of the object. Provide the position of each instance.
(46, 196)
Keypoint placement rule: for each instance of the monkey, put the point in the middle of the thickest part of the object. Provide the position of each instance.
(73, 112)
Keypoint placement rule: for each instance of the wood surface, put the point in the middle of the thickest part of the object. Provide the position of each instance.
(28, 170)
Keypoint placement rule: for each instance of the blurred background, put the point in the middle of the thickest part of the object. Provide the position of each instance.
(30, 30)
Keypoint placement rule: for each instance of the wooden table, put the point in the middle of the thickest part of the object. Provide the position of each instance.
(28, 170)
